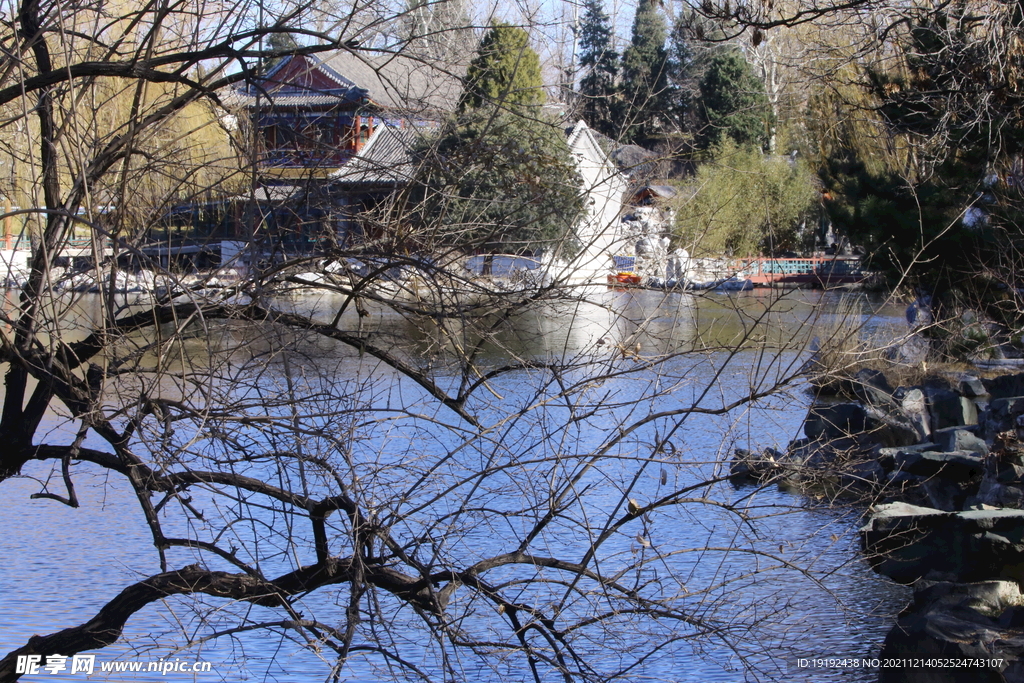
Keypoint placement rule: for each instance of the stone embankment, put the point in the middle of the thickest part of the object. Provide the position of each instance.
(942, 465)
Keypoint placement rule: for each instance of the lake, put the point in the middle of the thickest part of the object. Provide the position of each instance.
(647, 400)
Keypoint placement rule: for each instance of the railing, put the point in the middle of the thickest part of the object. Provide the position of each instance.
(23, 242)
(815, 267)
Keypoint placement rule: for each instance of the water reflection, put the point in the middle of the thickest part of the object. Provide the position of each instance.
(89, 554)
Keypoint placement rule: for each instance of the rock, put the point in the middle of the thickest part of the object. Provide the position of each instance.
(914, 407)
(959, 439)
(908, 543)
(862, 476)
(1009, 473)
(1005, 386)
(871, 387)
(972, 387)
(750, 466)
(887, 456)
(958, 620)
(890, 429)
(949, 495)
(949, 409)
(903, 487)
(955, 465)
(1001, 416)
(826, 422)
(994, 494)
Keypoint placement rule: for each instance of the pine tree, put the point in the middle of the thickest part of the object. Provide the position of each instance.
(505, 72)
(501, 178)
(733, 103)
(597, 87)
(645, 77)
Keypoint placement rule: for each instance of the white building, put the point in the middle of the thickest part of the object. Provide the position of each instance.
(597, 232)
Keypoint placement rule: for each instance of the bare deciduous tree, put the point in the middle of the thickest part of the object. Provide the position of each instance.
(422, 473)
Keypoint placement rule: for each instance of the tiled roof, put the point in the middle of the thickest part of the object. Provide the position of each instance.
(391, 82)
(386, 159)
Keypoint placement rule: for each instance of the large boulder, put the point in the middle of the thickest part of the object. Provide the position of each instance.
(835, 421)
(977, 621)
(1005, 386)
(872, 388)
(867, 424)
(891, 427)
(972, 387)
(959, 439)
(908, 543)
(751, 466)
(949, 409)
(957, 465)
(1001, 416)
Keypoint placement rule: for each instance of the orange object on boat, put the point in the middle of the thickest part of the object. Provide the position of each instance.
(625, 278)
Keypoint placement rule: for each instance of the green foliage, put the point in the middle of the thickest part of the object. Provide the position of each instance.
(950, 101)
(645, 77)
(503, 183)
(501, 178)
(505, 71)
(597, 88)
(279, 42)
(746, 203)
(733, 103)
(694, 39)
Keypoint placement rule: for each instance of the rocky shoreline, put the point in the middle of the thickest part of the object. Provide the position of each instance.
(940, 468)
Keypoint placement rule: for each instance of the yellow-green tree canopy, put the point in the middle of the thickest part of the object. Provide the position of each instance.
(746, 203)
(505, 72)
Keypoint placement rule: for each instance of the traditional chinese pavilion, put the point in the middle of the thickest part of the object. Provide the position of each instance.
(313, 115)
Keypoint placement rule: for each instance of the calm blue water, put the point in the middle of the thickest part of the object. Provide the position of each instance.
(763, 576)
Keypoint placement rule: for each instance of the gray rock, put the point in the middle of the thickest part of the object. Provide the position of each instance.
(914, 407)
(958, 620)
(1009, 473)
(862, 476)
(995, 494)
(908, 543)
(949, 409)
(1005, 386)
(913, 350)
(949, 495)
(955, 465)
(959, 439)
(890, 429)
(757, 467)
(1001, 416)
(871, 387)
(972, 387)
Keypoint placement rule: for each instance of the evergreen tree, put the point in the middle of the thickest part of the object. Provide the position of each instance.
(733, 103)
(645, 77)
(501, 178)
(279, 42)
(693, 40)
(597, 87)
(505, 71)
